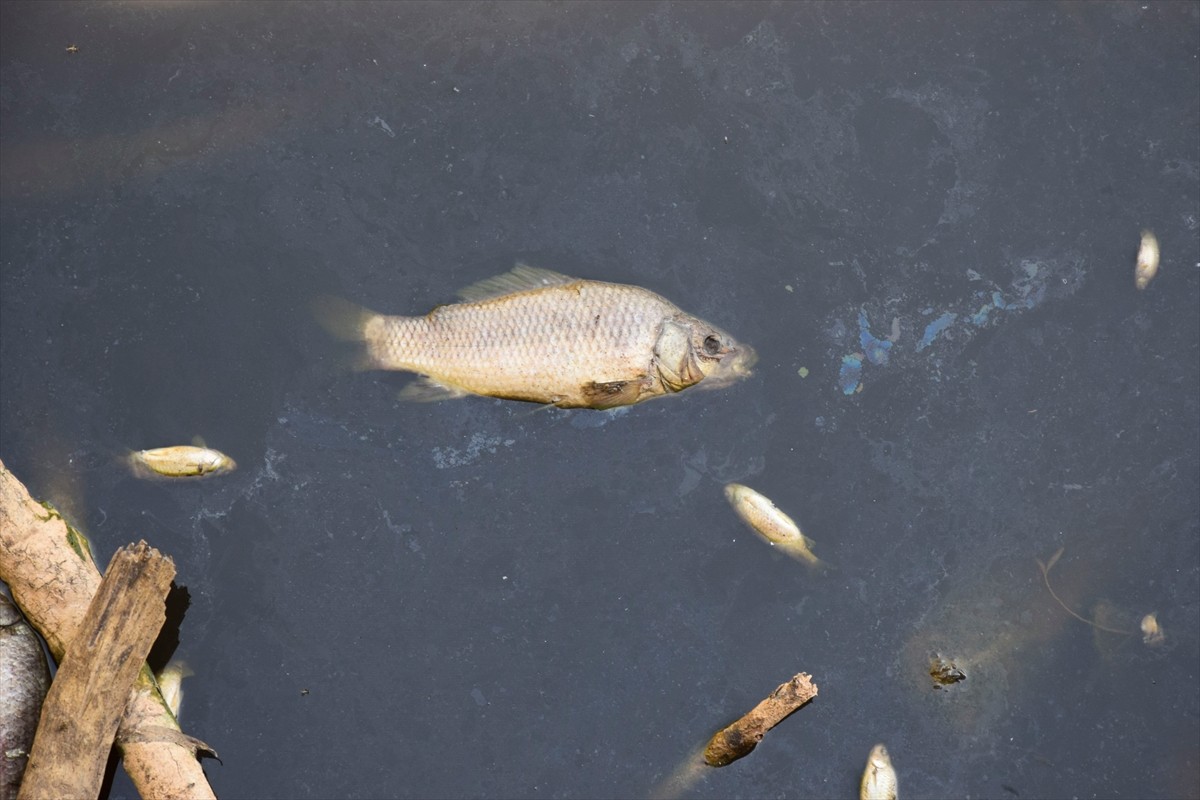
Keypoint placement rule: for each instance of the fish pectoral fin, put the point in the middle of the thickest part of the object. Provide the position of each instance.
(521, 278)
(428, 390)
(611, 393)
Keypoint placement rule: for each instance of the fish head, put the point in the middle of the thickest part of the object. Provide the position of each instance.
(691, 352)
(214, 461)
(734, 491)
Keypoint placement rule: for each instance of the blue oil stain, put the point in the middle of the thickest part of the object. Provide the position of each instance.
(934, 328)
(980, 317)
(1031, 287)
(876, 350)
(850, 375)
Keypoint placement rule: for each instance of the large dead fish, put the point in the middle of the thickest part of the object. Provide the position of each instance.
(535, 335)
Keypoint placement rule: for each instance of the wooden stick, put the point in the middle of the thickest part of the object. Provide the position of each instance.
(730, 744)
(88, 696)
(48, 567)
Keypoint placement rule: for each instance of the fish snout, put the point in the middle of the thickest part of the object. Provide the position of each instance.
(739, 364)
(746, 359)
(732, 368)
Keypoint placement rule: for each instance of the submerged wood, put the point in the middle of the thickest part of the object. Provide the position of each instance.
(91, 689)
(737, 740)
(48, 567)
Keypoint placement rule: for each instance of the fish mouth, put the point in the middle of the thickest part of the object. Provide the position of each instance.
(745, 360)
(733, 368)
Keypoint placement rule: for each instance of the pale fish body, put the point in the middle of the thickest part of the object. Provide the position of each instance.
(535, 335)
(24, 680)
(1147, 260)
(170, 684)
(769, 522)
(181, 461)
(879, 778)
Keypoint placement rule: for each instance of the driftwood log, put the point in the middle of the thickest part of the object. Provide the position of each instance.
(91, 689)
(48, 567)
(731, 743)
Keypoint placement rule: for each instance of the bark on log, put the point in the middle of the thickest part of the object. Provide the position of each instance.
(48, 567)
(730, 744)
(92, 686)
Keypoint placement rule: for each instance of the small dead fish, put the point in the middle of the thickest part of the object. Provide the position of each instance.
(170, 684)
(24, 680)
(1147, 260)
(1152, 632)
(879, 778)
(535, 335)
(181, 461)
(769, 522)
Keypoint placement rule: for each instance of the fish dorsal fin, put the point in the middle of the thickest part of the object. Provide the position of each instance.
(521, 278)
(198, 441)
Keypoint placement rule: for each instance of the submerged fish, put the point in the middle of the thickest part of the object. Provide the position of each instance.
(182, 461)
(24, 680)
(879, 778)
(1147, 260)
(769, 522)
(535, 335)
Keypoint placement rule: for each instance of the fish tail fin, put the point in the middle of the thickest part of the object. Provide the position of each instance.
(347, 322)
(342, 319)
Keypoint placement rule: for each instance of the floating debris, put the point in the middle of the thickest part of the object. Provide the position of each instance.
(729, 744)
(1147, 260)
(894, 336)
(380, 123)
(945, 672)
(1049, 565)
(1152, 632)
(879, 778)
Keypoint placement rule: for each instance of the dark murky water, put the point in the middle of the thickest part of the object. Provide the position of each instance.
(480, 599)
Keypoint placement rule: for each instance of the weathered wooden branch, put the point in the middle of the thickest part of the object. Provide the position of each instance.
(730, 744)
(48, 567)
(91, 689)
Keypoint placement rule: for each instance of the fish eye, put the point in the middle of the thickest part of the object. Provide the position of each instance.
(712, 345)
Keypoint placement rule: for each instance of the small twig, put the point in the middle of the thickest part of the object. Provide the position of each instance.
(1046, 577)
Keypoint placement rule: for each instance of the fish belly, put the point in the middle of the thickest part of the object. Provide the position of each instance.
(543, 345)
